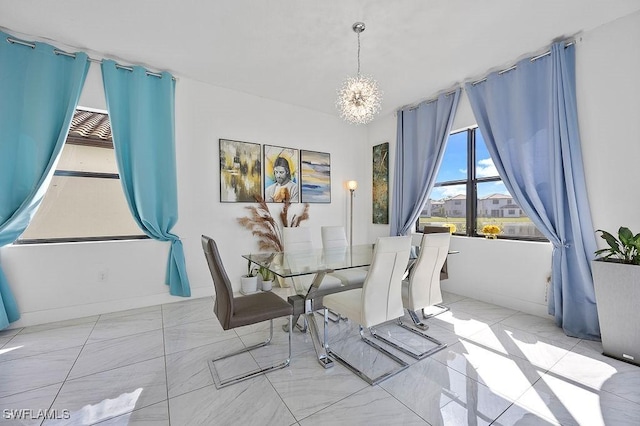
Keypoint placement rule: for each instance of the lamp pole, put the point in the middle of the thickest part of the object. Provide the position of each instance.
(352, 185)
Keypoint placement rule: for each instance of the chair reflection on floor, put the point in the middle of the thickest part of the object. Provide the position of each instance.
(233, 312)
(379, 300)
(422, 289)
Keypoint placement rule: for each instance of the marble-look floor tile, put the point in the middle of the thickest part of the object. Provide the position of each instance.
(45, 341)
(108, 354)
(543, 327)
(189, 370)
(101, 396)
(460, 323)
(34, 400)
(516, 415)
(9, 333)
(570, 403)
(427, 388)
(153, 415)
(448, 298)
(370, 406)
(482, 310)
(507, 376)
(189, 311)
(129, 312)
(278, 349)
(4, 341)
(306, 375)
(252, 402)
(540, 351)
(585, 366)
(28, 373)
(111, 328)
(194, 334)
(59, 324)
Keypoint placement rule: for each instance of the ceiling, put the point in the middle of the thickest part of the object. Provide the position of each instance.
(300, 51)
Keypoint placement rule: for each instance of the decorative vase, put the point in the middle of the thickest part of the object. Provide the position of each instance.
(248, 284)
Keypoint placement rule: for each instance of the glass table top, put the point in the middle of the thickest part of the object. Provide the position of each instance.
(292, 264)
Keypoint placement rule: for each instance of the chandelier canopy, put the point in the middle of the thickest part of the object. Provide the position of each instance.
(359, 99)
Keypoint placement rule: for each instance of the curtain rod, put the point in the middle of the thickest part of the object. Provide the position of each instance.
(532, 59)
(413, 106)
(73, 55)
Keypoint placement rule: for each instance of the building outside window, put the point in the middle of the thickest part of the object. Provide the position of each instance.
(85, 200)
(468, 178)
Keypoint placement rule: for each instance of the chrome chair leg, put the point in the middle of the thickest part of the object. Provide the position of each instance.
(416, 320)
(443, 309)
(402, 365)
(238, 378)
(302, 328)
(404, 349)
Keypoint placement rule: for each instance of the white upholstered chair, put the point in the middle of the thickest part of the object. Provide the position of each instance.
(422, 288)
(297, 242)
(335, 238)
(379, 300)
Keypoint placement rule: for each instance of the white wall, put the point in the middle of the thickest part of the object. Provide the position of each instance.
(514, 273)
(60, 281)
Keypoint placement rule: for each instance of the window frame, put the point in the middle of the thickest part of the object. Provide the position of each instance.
(471, 186)
(75, 140)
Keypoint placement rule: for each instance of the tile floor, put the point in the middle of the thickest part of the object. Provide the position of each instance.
(149, 367)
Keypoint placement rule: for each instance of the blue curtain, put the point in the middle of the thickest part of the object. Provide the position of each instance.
(421, 140)
(529, 120)
(141, 110)
(39, 91)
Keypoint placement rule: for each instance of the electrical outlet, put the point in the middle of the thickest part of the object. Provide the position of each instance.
(103, 275)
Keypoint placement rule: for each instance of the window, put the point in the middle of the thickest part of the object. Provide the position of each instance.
(468, 177)
(84, 201)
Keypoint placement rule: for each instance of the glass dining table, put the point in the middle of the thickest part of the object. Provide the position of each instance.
(307, 269)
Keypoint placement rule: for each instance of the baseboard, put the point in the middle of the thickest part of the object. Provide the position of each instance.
(72, 312)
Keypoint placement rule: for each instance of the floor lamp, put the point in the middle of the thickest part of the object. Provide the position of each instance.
(352, 185)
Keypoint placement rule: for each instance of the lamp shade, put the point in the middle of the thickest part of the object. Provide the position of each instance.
(352, 185)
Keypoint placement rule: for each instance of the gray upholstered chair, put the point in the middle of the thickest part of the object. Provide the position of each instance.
(378, 301)
(233, 312)
(335, 238)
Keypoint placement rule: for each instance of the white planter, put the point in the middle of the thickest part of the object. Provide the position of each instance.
(267, 285)
(617, 289)
(248, 285)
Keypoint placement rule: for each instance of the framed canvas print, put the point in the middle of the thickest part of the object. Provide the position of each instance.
(381, 183)
(315, 177)
(240, 171)
(281, 174)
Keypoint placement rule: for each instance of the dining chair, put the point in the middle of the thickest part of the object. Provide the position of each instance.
(299, 248)
(421, 290)
(234, 312)
(378, 301)
(335, 237)
(444, 272)
(297, 241)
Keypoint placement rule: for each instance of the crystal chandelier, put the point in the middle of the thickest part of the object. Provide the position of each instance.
(359, 99)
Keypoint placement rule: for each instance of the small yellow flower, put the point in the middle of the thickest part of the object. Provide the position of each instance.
(491, 229)
(451, 226)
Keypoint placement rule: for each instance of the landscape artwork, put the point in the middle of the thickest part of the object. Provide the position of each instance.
(381, 183)
(315, 171)
(240, 171)
(281, 174)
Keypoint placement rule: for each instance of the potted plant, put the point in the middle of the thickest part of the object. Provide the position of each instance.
(616, 281)
(491, 231)
(267, 278)
(249, 282)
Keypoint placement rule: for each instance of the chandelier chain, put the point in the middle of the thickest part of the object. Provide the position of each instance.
(358, 54)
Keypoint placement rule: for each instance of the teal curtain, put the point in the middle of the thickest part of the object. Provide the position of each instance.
(141, 110)
(39, 91)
